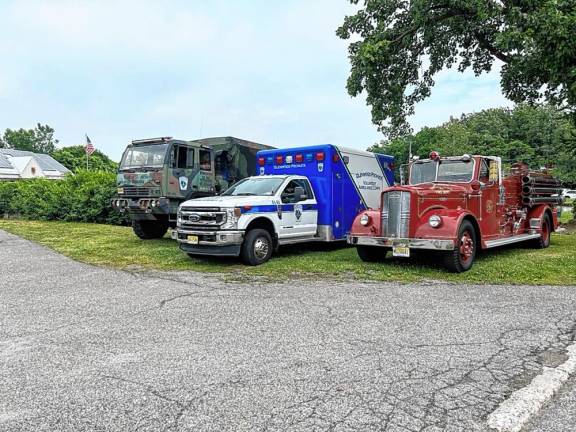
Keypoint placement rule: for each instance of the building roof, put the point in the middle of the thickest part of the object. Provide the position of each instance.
(13, 162)
(46, 162)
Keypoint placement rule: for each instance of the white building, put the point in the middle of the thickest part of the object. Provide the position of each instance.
(18, 164)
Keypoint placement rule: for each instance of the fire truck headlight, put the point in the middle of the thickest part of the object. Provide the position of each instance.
(435, 221)
(365, 220)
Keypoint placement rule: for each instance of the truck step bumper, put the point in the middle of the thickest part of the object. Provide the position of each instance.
(433, 244)
(229, 250)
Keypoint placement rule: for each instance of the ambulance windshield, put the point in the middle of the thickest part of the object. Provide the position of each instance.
(447, 170)
(261, 186)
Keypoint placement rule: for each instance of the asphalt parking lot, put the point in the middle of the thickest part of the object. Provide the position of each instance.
(87, 348)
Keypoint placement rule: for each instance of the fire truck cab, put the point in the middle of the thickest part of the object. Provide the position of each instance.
(456, 206)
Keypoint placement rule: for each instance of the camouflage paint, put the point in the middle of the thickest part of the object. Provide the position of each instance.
(232, 159)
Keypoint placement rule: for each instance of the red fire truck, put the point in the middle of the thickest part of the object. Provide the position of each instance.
(457, 205)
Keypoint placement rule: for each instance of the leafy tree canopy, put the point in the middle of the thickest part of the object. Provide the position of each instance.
(399, 46)
(74, 158)
(539, 136)
(39, 140)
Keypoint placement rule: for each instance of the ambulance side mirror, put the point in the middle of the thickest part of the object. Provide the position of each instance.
(299, 194)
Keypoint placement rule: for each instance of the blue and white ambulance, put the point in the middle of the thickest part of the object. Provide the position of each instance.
(300, 195)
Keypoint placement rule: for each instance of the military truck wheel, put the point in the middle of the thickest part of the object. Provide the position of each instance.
(371, 253)
(257, 247)
(543, 241)
(462, 257)
(148, 230)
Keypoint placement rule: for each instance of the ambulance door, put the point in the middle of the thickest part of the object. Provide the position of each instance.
(299, 210)
(337, 206)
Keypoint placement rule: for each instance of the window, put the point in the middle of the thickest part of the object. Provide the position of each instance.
(205, 160)
(144, 156)
(288, 195)
(260, 186)
(484, 175)
(183, 157)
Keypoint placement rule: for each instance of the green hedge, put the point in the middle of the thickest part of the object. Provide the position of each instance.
(82, 197)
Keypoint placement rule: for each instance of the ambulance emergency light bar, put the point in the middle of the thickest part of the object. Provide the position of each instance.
(295, 158)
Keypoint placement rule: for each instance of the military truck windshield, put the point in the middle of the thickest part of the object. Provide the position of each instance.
(255, 186)
(454, 171)
(144, 156)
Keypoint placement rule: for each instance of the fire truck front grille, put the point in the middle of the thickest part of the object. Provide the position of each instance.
(396, 214)
(202, 218)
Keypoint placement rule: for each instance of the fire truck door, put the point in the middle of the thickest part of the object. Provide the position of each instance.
(490, 209)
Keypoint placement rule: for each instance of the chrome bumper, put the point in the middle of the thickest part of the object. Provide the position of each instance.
(209, 238)
(434, 244)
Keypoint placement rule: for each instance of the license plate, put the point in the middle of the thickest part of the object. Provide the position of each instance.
(401, 250)
(192, 239)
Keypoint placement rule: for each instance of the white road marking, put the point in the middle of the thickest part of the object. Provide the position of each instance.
(514, 412)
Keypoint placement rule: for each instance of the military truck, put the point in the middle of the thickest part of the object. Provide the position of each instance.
(157, 174)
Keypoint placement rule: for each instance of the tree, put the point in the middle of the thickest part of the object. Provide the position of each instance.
(402, 46)
(74, 158)
(539, 136)
(39, 140)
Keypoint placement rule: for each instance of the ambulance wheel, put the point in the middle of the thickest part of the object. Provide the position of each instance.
(371, 253)
(148, 230)
(543, 241)
(257, 247)
(462, 257)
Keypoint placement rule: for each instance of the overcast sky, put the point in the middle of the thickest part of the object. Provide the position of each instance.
(267, 71)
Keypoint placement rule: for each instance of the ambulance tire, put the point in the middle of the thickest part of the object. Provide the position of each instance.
(257, 247)
(371, 253)
(148, 230)
(543, 241)
(462, 257)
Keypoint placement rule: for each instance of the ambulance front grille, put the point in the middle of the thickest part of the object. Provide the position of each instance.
(396, 214)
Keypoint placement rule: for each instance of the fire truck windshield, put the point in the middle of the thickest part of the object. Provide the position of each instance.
(452, 171)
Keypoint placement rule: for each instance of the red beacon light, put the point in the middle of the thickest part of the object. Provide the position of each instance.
(320, 156)
(335, 157)
(261, 161)
(434, 155)
(299, 158)
(279, 159)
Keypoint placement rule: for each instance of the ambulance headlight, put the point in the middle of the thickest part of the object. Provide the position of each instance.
(435, 221)
(231, 219)
(364, 220)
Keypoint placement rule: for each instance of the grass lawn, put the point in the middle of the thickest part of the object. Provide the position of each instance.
(117, 247)
(566, 217)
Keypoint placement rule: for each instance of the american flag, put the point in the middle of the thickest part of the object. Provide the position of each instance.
(89, 146)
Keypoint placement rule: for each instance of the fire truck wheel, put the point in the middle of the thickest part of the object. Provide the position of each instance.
(462, 257)
(544, 240)
(148, 230)
(257, 247)
(371, 254)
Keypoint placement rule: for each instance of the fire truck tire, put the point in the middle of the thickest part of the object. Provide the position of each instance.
(148, 230)
(544, 240)
(462, 257)
(371, 254)
(257, 247)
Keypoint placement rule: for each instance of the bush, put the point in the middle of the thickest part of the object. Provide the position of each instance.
(83, 197)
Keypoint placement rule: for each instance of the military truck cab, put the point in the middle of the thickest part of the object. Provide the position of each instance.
(155, 175)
